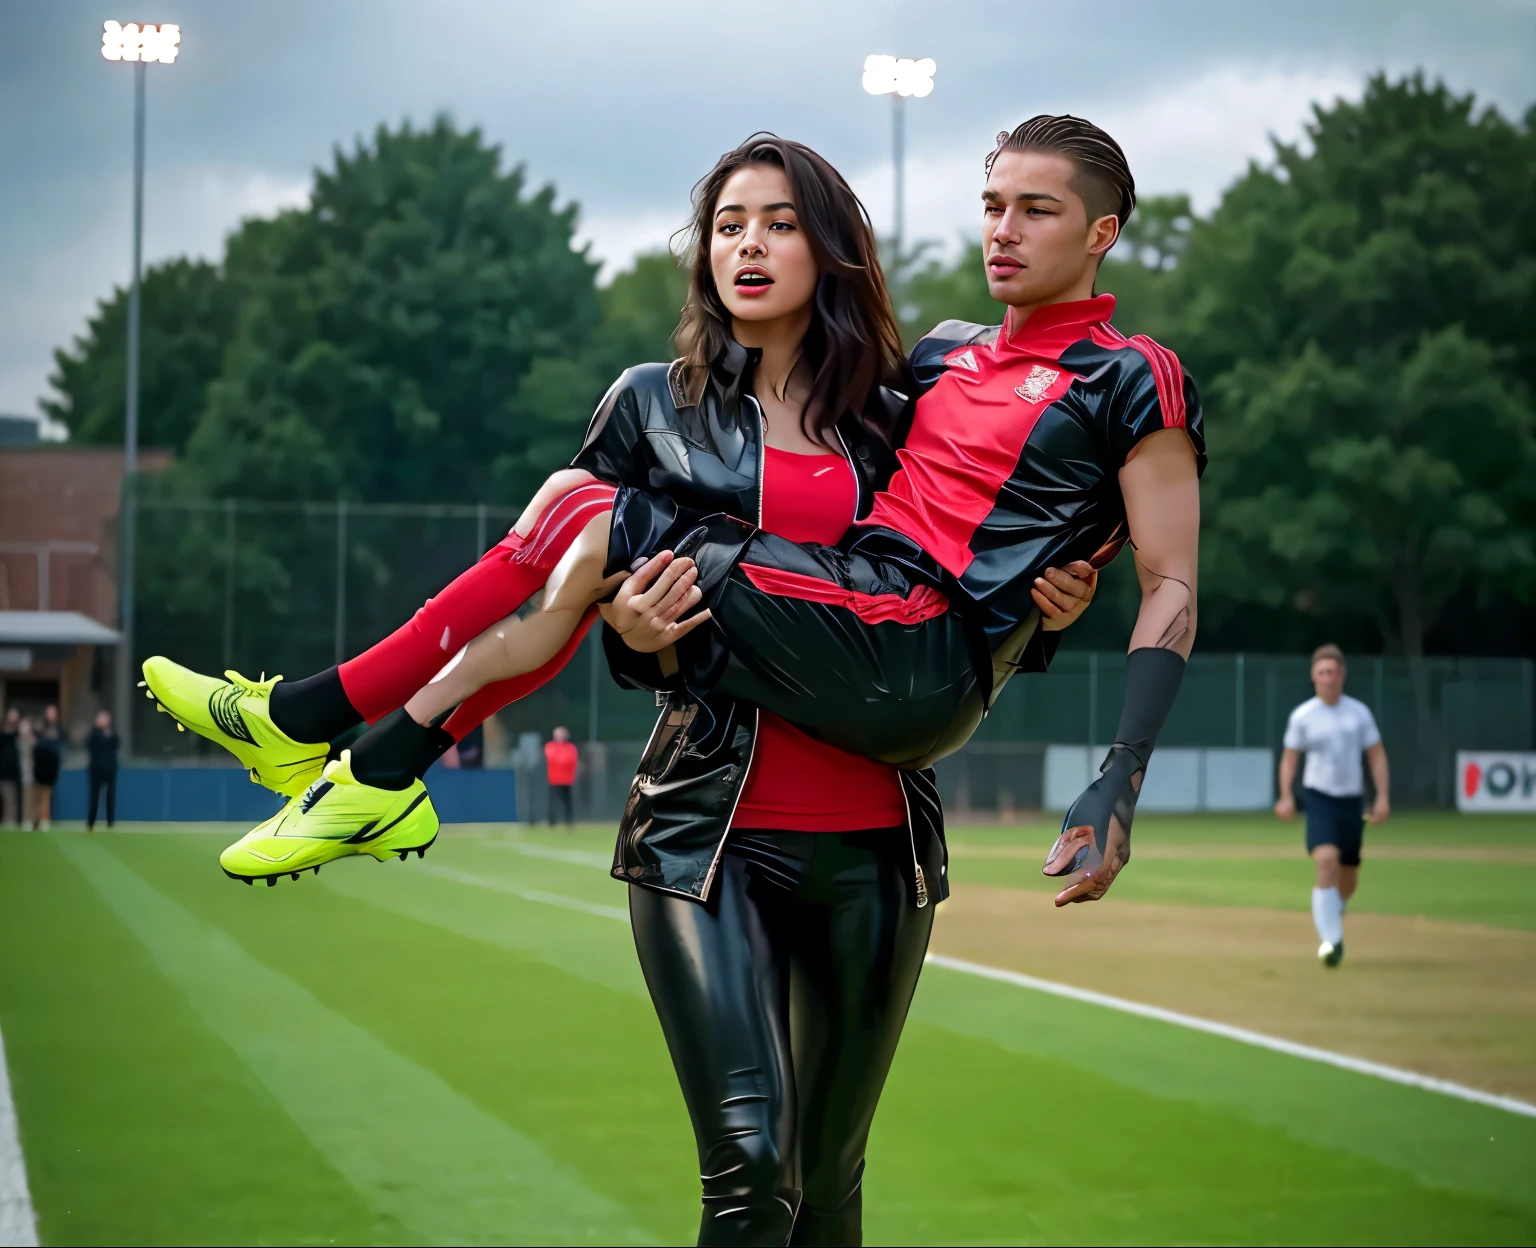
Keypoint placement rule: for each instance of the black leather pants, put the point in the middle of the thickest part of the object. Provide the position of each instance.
(782, 999)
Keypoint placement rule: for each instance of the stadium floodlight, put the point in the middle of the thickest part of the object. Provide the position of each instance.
(139, 44)
(886, 75)
(900, 78)
(138, 41)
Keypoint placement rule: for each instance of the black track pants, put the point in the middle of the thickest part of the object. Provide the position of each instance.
(852, 643)
(782, 999)
(102, 781)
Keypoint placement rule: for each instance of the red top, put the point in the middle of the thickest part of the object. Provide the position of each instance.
(799, 784)
(560, 761)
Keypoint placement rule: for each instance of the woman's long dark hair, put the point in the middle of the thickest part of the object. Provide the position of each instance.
(852, 344)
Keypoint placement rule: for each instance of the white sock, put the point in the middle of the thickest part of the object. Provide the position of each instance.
(1328, 915)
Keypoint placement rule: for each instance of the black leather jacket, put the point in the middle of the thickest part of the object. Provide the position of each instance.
(694, 454)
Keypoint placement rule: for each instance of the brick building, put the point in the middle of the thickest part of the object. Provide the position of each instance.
(59, 509)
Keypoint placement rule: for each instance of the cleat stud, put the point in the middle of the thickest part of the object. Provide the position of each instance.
(247, 880)
(421, 853)
(181, 727)
(271, 881)
(295, 875)
(317, 870)
(143, 684)
(150, 696)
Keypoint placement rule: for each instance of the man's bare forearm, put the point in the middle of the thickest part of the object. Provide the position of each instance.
(1288, 760)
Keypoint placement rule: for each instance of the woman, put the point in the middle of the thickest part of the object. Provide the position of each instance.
(782, 971)
(47, 755)
(10, 770)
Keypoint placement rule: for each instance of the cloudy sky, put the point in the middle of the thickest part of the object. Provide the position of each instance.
(623, 105)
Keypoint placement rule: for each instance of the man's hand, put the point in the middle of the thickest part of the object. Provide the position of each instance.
(1380, 809)
(1285, 808)
(1095, 840)
(647, 608)
(1062, 596)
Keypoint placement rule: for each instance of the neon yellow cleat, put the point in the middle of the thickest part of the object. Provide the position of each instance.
(235, 713)
(338, 816)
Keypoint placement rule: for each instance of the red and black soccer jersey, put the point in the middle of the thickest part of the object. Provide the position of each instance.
(1011, 462)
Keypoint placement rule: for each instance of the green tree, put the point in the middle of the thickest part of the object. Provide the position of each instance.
(187, 314)
(1363, 318)
(407, 336)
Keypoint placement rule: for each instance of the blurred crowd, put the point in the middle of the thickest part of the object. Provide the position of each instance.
(31, 755)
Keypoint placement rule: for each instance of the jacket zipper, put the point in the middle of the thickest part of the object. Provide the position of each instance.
(917, 868)
(714, 863)
(858, 481)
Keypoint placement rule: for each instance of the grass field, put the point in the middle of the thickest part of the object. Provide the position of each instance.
(474, 1060)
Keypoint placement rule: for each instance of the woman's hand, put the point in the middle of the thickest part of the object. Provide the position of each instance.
(1062, 596)
(646, 609)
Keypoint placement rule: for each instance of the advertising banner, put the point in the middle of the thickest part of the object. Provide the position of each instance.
(1487, 781)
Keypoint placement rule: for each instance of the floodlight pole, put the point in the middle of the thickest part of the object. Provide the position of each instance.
(898, 157)
(129, 504)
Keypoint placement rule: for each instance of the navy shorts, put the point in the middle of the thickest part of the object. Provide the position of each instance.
(1335, 821)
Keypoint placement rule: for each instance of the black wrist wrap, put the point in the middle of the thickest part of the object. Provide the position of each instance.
(1152, 679)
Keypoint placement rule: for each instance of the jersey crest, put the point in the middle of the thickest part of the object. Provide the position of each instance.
(1037, 384)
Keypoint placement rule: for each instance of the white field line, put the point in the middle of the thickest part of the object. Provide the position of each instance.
(579, 857)
(527, 894)
(18, 1223)
(1242, 1035)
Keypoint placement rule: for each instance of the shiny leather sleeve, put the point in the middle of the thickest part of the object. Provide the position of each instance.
(634, 670)
(1153, 392)
(614, 449)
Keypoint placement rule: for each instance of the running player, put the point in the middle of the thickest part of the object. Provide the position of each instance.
(1333, 730)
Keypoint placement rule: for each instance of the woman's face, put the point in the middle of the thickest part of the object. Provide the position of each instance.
(760, 257)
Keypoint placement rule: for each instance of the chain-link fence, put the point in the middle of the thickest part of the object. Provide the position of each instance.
(266, 587)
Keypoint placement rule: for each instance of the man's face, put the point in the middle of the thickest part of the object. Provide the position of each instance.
(1328, 679)
(1036, 238)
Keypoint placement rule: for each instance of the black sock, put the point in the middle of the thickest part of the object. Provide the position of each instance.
(397, 750)
(313, 709)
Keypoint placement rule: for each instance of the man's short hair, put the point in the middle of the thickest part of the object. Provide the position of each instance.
(1330, 651)
(1104, 176)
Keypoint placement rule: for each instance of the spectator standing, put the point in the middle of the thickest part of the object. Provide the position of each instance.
(47, 755)
(1333, 730)
(560, 767)
(10, 770)
(102, 746)
(26, 743)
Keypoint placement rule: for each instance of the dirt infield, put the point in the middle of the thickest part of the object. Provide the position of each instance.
(1453, 1000)
(1513, 855)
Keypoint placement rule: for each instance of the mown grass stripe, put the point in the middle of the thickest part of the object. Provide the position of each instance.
(555, 853)
(527, 894)
(1242, 1035)
(417, 1149)
(18, 1221)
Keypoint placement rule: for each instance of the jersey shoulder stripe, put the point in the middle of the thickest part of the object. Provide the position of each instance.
(1167, 372)
(927, 357)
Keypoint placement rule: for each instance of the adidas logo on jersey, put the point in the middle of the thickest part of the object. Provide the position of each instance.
(966, 360)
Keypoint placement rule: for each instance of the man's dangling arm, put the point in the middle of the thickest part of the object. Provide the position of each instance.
(1160, 482)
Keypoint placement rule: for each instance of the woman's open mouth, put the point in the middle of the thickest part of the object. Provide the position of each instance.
(752, 280)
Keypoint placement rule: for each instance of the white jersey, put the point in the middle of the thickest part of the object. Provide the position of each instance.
(1333, 738)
